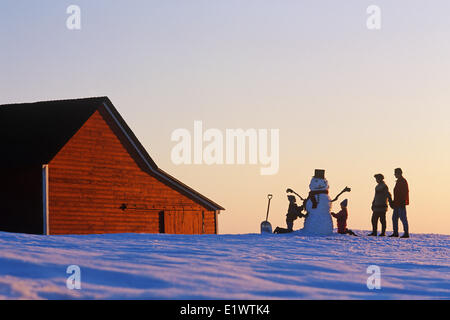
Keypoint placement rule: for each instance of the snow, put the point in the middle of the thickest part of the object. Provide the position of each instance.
(245, 266)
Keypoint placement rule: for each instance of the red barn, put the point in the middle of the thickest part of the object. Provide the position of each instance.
(75, 167)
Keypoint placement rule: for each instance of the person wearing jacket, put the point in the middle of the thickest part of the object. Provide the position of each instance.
(380, 205)
(401, 200)
(341, 218)
(294, 212)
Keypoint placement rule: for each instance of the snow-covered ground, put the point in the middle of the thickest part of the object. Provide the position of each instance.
(247, 266)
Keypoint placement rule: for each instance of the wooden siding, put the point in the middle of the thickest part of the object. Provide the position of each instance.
(191, 221)
(97, 172)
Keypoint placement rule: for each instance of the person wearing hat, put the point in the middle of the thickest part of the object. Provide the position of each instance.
(380, 205)
(294, 212)
(341, 218)
(401, 200)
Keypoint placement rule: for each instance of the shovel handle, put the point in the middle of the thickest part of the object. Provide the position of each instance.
(269, 196)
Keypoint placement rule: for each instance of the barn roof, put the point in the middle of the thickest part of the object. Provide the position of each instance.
(33, 133)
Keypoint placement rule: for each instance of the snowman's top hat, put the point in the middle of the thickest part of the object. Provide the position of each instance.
(319, 173)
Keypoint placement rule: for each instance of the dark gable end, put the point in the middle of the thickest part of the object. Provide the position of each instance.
(33, 133)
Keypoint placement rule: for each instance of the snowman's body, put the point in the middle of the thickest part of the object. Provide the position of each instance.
(318, 221)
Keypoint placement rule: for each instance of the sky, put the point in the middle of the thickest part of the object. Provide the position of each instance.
(347, 99)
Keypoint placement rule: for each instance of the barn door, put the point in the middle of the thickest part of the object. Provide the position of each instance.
(183, 222)
(161, 222)
(203, 222)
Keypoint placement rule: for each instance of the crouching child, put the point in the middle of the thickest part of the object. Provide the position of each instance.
(341, 218)
(294, 212)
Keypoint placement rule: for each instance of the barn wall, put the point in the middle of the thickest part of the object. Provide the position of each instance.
(94, 175)
(21, 208)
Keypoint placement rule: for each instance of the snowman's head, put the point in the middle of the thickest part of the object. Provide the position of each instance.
(318, 184)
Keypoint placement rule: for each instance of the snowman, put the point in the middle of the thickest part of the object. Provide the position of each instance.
(318, 205)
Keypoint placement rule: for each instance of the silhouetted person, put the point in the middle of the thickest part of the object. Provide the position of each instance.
(341, 218)
(294, 212)
(380, 205)
(401, 200)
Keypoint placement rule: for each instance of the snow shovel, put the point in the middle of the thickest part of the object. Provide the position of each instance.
(266, 227)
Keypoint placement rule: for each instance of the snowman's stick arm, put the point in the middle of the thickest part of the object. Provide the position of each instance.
(346, 189)
(289, 190)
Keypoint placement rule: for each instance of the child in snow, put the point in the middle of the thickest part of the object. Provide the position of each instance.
(294, 212)
(341, 218)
